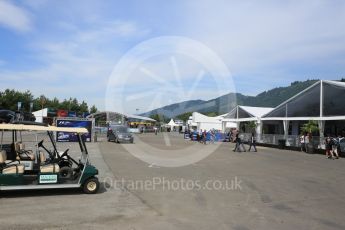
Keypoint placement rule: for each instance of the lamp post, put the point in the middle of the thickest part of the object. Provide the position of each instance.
(69, 106)
(31, 106)
(43, 101)
(19, 104)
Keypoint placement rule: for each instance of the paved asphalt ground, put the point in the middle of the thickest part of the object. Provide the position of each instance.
(271, 189)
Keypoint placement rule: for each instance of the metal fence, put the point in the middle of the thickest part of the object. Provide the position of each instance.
(290, 140)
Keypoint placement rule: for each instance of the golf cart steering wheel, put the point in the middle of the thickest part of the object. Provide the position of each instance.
(65, 153)
(40, 143)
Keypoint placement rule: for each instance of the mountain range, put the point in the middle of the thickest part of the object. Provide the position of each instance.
(225, 103)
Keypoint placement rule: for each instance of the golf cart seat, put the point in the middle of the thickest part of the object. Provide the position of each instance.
(50, 168)
(43, 157)
(23, 154)
(13, 169)
(9, 168)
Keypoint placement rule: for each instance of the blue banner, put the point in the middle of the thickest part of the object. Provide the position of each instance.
(72, 137)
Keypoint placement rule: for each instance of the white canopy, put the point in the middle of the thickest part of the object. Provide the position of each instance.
(207, 123)
(172, 123)
(40, 114)
(198, 117)
(246, 113)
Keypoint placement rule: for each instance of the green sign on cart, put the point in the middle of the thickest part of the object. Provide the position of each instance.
(48, 179)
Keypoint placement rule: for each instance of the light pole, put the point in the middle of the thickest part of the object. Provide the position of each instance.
(19, 104)
(43, 101)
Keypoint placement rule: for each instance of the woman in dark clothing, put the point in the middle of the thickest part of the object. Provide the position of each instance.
(252, 143)
(328, 143)
(239, 144)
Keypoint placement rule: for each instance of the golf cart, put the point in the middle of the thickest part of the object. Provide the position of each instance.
(23, 168)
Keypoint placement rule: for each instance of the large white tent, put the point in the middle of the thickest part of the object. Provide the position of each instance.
(320, 102)
(245, 113)
(207, 123)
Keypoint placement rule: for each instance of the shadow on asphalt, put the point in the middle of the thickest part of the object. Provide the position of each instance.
(50, 192)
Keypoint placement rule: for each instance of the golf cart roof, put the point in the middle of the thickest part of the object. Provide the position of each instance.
(23, 127)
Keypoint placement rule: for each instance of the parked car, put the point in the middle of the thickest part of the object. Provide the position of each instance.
(7, 116)
(119, 133)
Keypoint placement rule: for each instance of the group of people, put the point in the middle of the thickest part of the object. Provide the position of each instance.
(201, 136)
(239, 142)
(332, 147)
(304, 140)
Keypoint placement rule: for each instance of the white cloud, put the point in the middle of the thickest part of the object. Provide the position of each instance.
(36, 4)
(105, 31)
(14, 17)
(261, 43)
(257, 35)
(76, 65)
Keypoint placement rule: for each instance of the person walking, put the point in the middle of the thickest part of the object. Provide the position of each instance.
(307, 138)
(335, 146)
(252, 143)
(204, 135)
(198, 136)
(328, 143)
(302, 141)
(239, 144)
(212, 136)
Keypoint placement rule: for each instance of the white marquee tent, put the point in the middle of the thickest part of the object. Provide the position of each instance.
(322, 101)
(204, 122)
(245, 113)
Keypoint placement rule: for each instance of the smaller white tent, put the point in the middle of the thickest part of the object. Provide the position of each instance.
(172, 124)
(40, 114)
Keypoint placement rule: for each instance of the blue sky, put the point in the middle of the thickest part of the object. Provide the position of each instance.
(70, 48)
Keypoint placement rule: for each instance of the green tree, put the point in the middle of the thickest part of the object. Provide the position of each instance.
(310, 127)
(251, 126)
(83, 107)
(184, 116)
(211, 114)
(93, 109)
(159, 118)
(9, 99)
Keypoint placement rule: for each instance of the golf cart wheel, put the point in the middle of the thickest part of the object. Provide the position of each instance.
(66, 172)
(91, 185)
